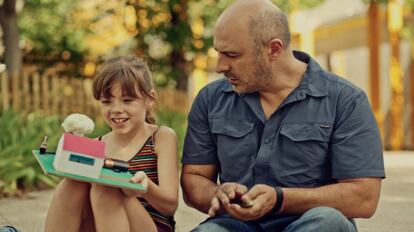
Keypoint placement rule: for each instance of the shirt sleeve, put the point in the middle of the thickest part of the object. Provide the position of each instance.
(356, 148)
(199, 144)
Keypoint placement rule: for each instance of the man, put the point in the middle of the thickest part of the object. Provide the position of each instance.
(295, 148)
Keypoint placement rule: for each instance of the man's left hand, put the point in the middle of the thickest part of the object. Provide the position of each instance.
(263, 198)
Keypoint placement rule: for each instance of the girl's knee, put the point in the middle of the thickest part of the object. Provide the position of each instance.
(74, 191)
(73, 185)
(102, 190)
(104, 194)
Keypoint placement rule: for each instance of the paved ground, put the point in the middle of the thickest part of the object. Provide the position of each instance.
(395, 211)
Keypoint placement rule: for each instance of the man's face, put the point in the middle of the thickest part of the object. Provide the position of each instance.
(246, 69)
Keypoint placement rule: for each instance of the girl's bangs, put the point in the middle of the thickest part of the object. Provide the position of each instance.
(128, 84)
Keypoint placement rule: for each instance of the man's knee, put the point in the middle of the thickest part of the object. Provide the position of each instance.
(224, 224)
(208, 227)
(322, 219)
(326, 214)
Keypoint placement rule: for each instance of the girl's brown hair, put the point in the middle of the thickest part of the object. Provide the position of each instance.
(132, 73)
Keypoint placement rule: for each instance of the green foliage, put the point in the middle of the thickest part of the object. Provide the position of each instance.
(99, 130)
(378, 1)
(407, 32)
(19, 135)
(408, 2)
(47, 28)
(175, 120)
(53, 31)
(179, 34)
(288, 5)
(18, 168)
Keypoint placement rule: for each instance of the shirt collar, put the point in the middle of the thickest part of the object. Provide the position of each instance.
(228, 87)
(312, 83)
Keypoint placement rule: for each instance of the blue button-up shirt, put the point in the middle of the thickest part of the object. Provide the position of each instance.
(323, 131)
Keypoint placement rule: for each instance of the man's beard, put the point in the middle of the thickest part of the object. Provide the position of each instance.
(260, 77)
(262, 70)
(253, 81)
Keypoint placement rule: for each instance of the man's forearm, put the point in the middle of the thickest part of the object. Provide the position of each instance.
(198, 191)
(355, 199)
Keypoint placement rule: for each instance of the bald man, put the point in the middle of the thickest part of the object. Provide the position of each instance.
(279, 144)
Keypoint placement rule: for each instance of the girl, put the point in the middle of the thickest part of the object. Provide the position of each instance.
(125, 89)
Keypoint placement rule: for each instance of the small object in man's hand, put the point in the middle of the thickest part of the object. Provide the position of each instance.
(243, 204)
(247, 204)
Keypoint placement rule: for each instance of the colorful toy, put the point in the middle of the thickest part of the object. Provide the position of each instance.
(76, 154)
(79, 155)
(81, 158)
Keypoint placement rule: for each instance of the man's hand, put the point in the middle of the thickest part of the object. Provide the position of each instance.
(263, 198)
(225, 194)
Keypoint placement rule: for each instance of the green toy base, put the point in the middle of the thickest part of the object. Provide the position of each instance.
(107, 177)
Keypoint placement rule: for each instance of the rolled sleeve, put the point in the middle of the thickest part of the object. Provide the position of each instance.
(199, 144)
(356, 142)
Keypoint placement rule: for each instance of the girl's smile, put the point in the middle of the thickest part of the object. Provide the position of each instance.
(119, 120)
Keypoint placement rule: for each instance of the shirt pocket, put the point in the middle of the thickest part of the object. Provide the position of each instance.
(232, 128)
(299, 132)
(236, 146)
(304, 160)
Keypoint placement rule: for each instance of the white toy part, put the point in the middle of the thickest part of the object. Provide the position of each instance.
(78, 124)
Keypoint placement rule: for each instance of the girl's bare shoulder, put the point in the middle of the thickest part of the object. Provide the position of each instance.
(165, 132)
(165, 141)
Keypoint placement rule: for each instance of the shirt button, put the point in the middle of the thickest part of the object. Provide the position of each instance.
(267, 140)
(259, 172)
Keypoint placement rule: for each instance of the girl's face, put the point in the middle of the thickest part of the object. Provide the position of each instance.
(124, 114)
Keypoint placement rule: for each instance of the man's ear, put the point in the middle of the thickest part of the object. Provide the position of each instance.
(275, 47)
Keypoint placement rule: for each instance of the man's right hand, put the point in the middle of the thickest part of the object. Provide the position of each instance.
(223, 196)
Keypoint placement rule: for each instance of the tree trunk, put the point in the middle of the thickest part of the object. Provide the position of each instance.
(179, 20)
(179, 64)
(8, 22)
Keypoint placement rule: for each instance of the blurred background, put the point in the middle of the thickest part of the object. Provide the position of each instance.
(51, 49)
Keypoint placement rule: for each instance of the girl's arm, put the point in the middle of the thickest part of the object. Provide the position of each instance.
(164, 196)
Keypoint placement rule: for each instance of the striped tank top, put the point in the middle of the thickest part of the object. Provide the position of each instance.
(146, 160)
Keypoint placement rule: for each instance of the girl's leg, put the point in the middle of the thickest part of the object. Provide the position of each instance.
(67, 206)
(114, 211)
(135, 211)
(88, 223)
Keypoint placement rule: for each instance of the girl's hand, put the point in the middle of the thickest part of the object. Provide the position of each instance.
(139, 178)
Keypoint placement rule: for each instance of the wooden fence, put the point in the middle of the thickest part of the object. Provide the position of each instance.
(51, 94)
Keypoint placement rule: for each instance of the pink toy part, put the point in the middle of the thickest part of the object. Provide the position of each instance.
(83, 145)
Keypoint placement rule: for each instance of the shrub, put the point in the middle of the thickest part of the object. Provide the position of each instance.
(19, 170)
